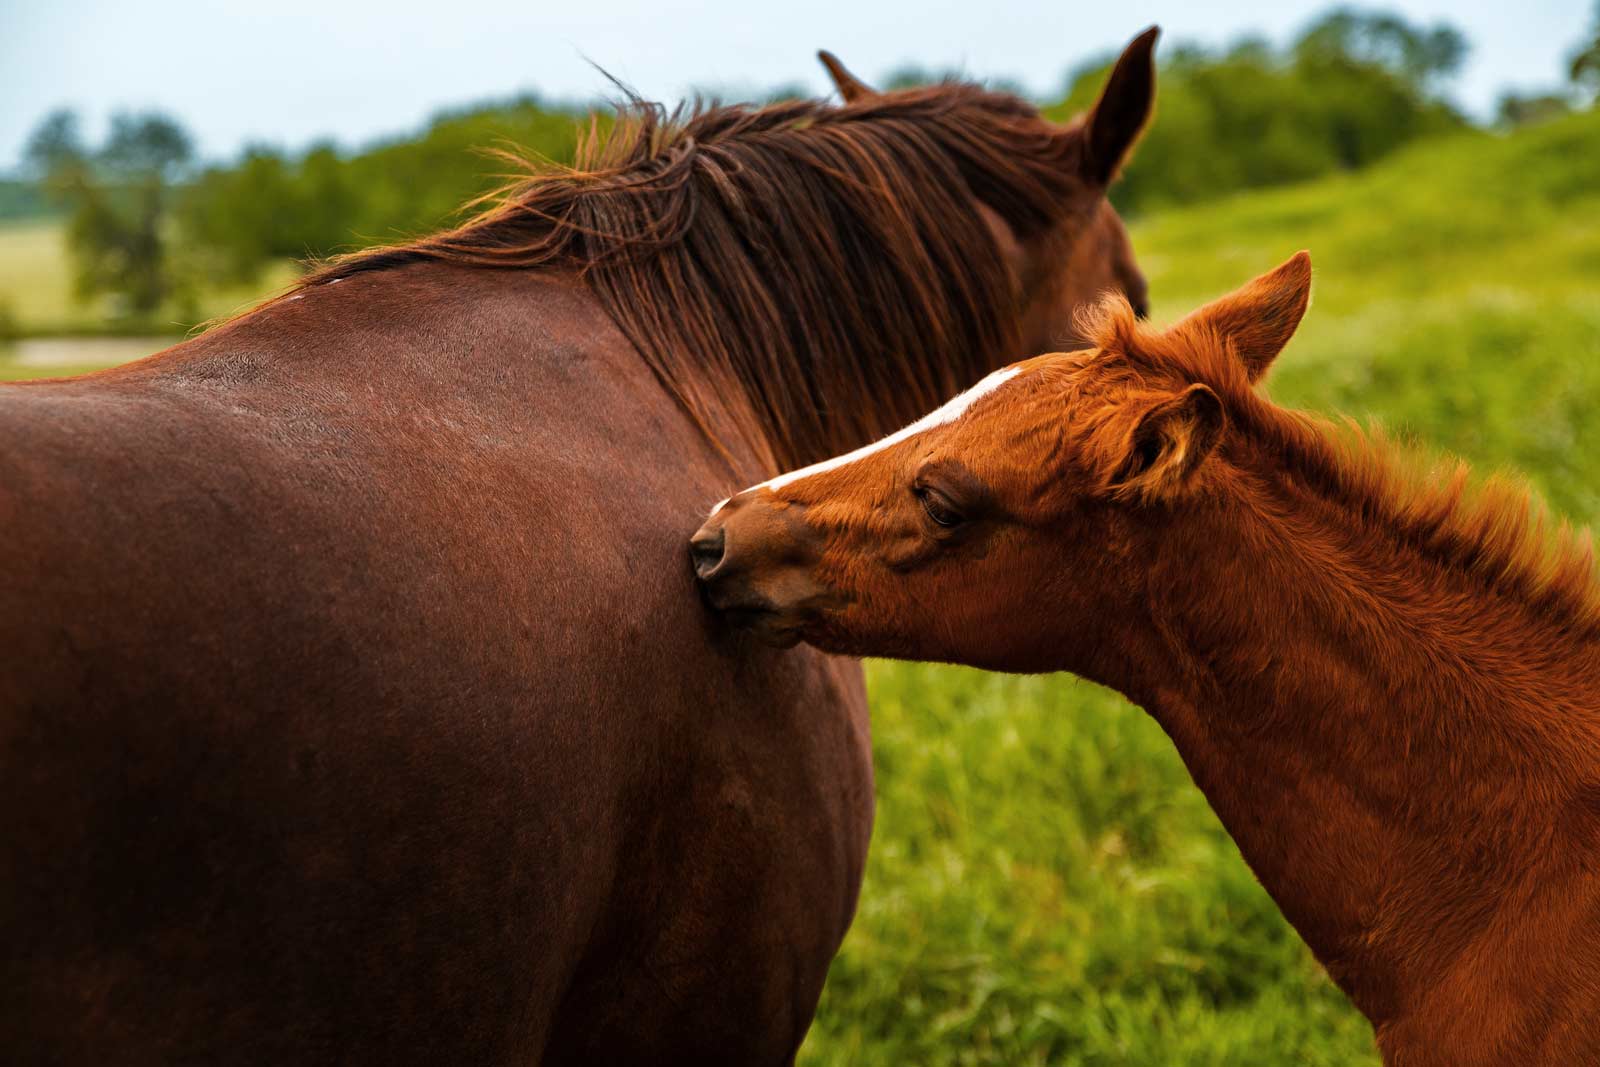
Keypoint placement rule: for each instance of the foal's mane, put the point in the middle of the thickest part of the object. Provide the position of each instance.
(804, 256)
(1494, 530)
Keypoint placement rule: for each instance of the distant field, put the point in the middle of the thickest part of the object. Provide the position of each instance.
(11, 372)
(1046, 886)
(36, 288)
(35, 280)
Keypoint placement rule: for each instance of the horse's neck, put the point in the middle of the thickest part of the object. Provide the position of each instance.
(1395, 748)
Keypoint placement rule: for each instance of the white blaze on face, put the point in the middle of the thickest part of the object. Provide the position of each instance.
(950, 412)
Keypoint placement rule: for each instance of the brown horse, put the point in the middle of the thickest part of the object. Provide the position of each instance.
(352, 709)
(1389, 688)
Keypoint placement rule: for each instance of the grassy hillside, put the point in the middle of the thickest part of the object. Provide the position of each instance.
(1457, 295)
(1046, 886)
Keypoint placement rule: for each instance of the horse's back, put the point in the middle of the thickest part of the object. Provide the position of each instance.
(360, 707)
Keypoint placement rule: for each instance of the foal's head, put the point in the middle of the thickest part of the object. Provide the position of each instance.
(1029, 507)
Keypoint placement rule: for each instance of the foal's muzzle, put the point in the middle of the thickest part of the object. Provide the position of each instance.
(707, 548)
(754, 560)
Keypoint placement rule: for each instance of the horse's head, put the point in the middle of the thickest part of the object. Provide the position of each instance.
(1084, 252)
(1029, 507)
(1088, 254)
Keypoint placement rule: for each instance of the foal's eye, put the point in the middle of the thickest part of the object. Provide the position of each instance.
(938, 509)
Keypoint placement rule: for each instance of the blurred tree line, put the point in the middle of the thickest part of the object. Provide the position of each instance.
(1583, 76)
(1353, 87)
(147, 226)
(272, 205)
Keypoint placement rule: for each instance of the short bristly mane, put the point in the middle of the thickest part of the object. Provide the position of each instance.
(1495, 530)
(829, 263)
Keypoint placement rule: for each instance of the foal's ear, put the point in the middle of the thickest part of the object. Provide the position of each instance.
(1168, 443)
(1114, 124)
(850, 87)
(1259, 319)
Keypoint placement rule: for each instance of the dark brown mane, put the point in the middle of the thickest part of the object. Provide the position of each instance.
(799, 254)
(1493, 529)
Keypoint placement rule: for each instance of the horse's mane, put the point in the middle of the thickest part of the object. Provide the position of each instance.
(1495, 530)
(806, 255)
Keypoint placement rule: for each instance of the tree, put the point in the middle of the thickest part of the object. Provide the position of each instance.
(1525, 109)
(245, 214)
(1352, 88)
(1585, 69)
(118, 199)
(55, 146)
(271, 205)
(1420, 55)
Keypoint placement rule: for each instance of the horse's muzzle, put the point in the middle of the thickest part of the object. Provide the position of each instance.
(706, 549)
(754, 563)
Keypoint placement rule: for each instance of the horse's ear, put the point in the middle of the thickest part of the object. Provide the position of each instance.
(850, 87)
(1258, 319)
(1120, 114)
(1167, 444)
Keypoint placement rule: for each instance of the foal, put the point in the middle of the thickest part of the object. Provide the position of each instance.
(1389, 689)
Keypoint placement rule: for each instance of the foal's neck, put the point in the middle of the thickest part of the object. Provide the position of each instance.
(1407, 757)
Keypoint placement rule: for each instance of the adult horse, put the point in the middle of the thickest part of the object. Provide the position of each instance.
(332, 728)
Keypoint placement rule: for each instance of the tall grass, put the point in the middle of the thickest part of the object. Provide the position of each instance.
(1046, 887)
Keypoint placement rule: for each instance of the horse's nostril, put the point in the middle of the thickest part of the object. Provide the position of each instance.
(706, 549)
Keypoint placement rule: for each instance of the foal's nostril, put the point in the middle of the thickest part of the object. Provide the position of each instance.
(706, 549)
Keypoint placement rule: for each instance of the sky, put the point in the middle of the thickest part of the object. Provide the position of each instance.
(286, 72)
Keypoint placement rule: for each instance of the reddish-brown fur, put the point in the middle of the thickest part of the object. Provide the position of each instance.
(1387, 683)
(356, 707)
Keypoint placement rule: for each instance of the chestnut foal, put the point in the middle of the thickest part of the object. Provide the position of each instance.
(1388, 688)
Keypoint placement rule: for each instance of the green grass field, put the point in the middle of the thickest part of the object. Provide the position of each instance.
(36, 289)
(1046, 886)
